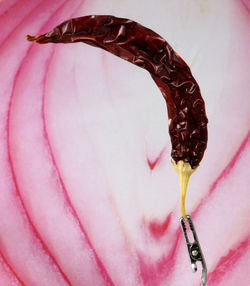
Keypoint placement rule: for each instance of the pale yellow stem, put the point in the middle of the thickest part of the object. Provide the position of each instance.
(184, 171)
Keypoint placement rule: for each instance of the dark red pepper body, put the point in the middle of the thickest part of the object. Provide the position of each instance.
(144, 48)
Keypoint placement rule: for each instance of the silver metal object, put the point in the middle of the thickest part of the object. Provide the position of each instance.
(194, 249)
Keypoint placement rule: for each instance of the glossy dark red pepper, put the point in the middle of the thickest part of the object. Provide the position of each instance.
(146, 49)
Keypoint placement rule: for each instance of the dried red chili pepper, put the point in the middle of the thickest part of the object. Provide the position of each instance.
(144, 48)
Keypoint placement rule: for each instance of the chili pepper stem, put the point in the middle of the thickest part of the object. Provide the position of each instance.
(184, 171)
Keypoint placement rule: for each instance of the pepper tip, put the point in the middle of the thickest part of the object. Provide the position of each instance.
(31, 38)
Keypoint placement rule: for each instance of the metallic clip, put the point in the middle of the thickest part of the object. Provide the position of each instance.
(194, 249)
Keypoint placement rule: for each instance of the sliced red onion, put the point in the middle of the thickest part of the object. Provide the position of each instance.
(87, 193)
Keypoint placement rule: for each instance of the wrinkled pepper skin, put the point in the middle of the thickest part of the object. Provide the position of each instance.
(146, 49)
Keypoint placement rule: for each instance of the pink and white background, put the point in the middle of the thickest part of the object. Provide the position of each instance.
(87, 192)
